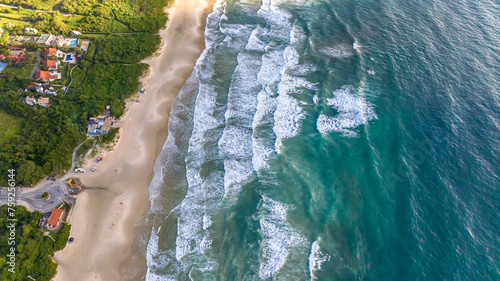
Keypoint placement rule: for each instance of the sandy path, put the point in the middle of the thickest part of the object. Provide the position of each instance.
(103, 228)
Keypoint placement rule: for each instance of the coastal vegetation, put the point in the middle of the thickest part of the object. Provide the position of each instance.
(34, 250)
(107, 74)
(9, 127)
(127, 49)
(113, 16)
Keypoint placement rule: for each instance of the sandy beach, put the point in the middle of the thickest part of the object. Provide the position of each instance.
(103, 228)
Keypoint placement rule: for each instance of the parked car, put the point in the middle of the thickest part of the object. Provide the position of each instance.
(70, 240)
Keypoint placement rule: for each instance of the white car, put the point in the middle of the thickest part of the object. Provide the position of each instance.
(79, 170)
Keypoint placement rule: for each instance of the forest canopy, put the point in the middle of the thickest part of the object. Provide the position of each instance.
(33, 248)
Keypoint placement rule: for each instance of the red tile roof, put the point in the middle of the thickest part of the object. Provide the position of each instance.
(42, 75)
(20, 58)
(55, 217)
(48, 51)
(17, 47)
(51, 64)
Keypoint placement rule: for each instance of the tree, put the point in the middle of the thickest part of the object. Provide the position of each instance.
(5, 37)
(45, 195)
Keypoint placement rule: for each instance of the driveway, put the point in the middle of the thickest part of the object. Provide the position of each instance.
(32, 197)
(37, 65)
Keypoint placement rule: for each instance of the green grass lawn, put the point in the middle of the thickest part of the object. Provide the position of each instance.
(14, 22)
(77, 76)
(9, 126)
(95, 35)
(64, 70)
(14, 16)
(24, 71)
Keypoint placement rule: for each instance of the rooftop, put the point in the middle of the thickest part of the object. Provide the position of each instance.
(49, 63)
(55, 217)
(48, 51)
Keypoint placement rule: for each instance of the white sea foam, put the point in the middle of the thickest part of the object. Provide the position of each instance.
(316, 259)
(236, 35)
(353, 111)
(287, 119)
(157, 259)
(203, 193)
(337, 51)
(289, 114)
(236, 142)
(260, 97)
(315, 99)
(262, 152)
(279, 238)
(254, 42)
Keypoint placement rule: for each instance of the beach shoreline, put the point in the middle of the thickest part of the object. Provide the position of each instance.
(104, 217)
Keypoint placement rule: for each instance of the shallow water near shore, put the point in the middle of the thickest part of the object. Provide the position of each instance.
(333, 140)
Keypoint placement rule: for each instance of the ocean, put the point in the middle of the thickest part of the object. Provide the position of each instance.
(334, 140)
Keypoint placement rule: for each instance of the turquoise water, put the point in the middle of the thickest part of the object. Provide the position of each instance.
(334, 140)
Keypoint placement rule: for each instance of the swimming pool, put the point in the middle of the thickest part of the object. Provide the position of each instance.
(68, 57)
(3, 65)
(73, 43)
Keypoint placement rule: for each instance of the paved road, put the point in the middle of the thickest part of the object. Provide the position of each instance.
(73, 158)
(32, 197)
(37, 65)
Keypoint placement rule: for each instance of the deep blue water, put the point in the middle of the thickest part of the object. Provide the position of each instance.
(334, 140)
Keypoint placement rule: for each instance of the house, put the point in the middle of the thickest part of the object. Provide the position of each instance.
(51, 64)
(17, 48)
(41, 75)
(13, 58)
(31, 86)
(55, 217)
(30, 100)
(30, 30)
(42, 223)
(75, 33)
(43, 102)
(106, 126)
(45, 89)
(54, 76)
(57, 41)
(20, 59)
(51, 52)
(45, 39)
(99, 125)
